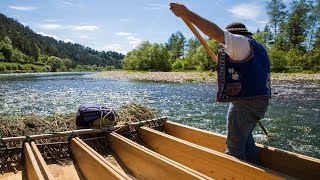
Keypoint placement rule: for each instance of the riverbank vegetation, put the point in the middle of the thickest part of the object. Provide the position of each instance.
(291, 37)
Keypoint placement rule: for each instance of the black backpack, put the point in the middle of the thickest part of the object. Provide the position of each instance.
(88, 113)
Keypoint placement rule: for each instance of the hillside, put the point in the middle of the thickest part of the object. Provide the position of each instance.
(20, 44)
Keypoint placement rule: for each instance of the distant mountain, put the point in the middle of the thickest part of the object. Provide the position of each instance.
(35, 46)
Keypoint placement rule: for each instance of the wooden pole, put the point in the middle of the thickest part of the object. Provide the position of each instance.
(263, 129)
(202, 41)
(82, 131)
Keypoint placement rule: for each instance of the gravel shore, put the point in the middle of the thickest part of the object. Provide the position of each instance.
(159, 76)
(205, 77)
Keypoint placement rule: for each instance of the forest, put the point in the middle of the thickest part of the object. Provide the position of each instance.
(23, 50)
(291, 37)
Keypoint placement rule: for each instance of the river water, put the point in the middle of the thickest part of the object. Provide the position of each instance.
(293, 117)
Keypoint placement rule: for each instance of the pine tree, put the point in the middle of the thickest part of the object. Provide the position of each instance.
(276, 13)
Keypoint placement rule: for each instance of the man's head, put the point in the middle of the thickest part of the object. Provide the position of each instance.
(238, 28)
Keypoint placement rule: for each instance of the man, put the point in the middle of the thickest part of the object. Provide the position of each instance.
(243, 80)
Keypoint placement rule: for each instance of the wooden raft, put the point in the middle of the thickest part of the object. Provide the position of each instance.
(173, 151)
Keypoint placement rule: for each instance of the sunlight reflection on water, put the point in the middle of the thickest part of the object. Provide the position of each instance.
(292, 117)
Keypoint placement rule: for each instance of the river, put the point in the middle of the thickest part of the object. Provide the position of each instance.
(293, 117)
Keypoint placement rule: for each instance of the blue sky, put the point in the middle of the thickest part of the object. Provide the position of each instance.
(120, 25)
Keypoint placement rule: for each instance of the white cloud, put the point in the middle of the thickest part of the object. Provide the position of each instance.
(124, 20)
(113, 47)
(71, 4)
(50, 20)
(85, 28)
(23, 8)
(154, 6)
(50, 26)
(134, 41)
(67, 3)
(262, 22)
(246, 11)
(123, 34)
(84, 37)
(68, 40)
(59, 26)
(49, 35)
(55, 37)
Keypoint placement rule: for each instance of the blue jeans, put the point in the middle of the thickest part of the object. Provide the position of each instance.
(241, 119)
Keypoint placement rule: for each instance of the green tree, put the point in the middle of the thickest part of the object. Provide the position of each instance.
(67, 62)
(295, 61)
(1, 56)
(147, 56)
(6, 48)
(282, 40)
(176, 46)
(263, 37)
(278, 61)
(192, 46)
(38, 48)
(202, 59)
(314, 20)
(276, 14)
(298, 24)
(317, 41)
(55, 63)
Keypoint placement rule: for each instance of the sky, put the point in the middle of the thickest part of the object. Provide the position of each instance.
(120, 25)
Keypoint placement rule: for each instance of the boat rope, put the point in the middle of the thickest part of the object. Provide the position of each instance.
(102, 118)
(28, 139)
(154, 124)
(70, 136)
(140, 124)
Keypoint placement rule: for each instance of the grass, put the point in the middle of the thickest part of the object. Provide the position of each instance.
(31, 124)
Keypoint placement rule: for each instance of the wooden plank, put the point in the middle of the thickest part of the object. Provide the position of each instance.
(145, 164)
(41, 163)
(93, 165)
(209, 162)
(197, 136)
(292, 164)
(33, 169)
(165, 158)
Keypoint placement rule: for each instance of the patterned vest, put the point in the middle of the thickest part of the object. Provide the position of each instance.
(246, 79)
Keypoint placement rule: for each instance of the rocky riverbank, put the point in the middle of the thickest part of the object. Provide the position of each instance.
(206, 77)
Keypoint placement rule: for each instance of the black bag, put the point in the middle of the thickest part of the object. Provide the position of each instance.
(88, 113)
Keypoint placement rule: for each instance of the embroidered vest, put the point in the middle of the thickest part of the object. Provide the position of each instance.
(246, 79)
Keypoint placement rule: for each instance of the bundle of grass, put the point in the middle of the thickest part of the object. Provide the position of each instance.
(11, 126)
(134, 112)
(56, 149)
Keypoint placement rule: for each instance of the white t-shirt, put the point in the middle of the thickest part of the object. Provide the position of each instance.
(236, 46)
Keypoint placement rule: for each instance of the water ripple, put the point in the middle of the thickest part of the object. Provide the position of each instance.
(292, 118)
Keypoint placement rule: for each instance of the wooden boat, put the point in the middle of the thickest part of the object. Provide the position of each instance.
(162, 150)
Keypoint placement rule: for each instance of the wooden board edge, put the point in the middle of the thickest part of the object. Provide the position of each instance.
(32, 167)
(86, 160)
(214, 156)
(299, 165)
(144, 158)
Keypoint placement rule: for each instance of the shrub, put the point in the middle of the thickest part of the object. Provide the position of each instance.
(277, 60)
(2, 67)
